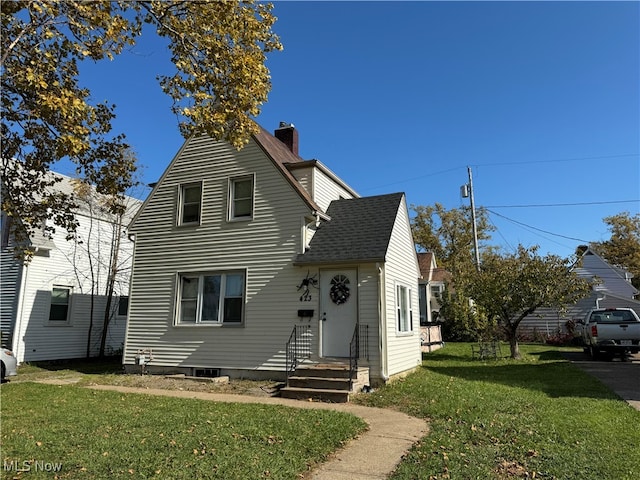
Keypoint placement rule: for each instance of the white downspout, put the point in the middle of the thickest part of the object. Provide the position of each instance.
(17, 328)
(382, 323)
(315, 223)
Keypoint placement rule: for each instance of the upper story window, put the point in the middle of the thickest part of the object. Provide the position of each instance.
(211, 298)
(190, 204)
(59, 308)
(403, 305)
(241, 198)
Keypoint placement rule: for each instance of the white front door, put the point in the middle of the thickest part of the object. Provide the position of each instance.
(338, 310)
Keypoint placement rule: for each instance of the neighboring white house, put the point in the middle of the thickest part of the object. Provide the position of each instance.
(612, 288)
(236, 249)
(46, 304)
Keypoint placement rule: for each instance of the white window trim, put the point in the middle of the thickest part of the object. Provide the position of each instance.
(199, 323)
(60, 323)
(408, 294)
(180, 212)
(230, 198)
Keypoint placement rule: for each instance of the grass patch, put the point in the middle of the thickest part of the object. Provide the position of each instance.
(539, 417)
(102, 434)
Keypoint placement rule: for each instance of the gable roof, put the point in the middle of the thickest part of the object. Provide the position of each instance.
(359, 231)
(91, 205)
(281, 156)
(429, 271)
(426, 261)
(441, 275)
(615, 280)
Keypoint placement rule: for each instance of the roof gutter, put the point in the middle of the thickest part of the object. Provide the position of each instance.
(320, 215)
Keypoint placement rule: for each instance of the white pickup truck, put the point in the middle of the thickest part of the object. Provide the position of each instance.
(611, 331)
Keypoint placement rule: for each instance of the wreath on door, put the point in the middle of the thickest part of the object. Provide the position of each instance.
(339, 291)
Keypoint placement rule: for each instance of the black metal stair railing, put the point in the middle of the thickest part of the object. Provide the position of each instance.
(298, 348)
(358, 348)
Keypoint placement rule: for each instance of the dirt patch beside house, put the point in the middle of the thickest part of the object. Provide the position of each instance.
(262, 388)
(188, 384)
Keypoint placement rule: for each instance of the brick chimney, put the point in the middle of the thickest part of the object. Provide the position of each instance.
(288, 135)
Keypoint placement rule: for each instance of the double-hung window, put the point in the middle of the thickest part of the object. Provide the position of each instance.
(241, 198)
(403, 305)
(190, 202)
(59, 308)
(211, 298)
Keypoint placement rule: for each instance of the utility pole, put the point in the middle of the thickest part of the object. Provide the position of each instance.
(467, 191)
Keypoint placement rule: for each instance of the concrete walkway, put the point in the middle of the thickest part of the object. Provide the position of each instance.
(372, 455)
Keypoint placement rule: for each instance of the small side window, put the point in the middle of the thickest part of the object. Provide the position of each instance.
(405, 312)
(59, 308)
(123, 306)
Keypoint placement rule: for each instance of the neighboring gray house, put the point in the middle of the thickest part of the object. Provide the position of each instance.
(614, 289)
(46, 303)
(239, 255)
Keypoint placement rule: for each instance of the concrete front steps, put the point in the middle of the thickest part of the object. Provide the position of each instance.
(324, 382)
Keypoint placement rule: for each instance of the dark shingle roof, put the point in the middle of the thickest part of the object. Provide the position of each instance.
(281, 156)
(359, 231)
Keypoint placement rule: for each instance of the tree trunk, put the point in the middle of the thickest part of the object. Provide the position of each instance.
(111, 280)
(513, 344)
(511, 331)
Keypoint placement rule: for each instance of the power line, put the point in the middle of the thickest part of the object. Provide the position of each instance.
(500, 233)
(562, 204)
(558, 160)
(433, 174)
(537, 229)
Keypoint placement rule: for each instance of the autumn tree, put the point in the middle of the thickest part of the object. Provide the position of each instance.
(100, 258)
(510, 287)
(220, 82)
(623, 248)
(449, 235)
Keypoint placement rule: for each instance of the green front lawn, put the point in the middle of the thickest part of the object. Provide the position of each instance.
(539, 417)
(100, 434)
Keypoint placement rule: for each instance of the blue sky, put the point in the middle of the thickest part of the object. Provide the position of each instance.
(540, 99)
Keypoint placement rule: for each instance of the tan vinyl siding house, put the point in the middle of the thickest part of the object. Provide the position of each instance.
(233, 250)
(216, 245)
(401, 271)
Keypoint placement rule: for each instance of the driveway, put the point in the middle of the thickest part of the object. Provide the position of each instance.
(621, 377)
